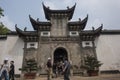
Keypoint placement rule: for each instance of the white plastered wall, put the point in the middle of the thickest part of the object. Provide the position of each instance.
(12, 48)
(108, 51)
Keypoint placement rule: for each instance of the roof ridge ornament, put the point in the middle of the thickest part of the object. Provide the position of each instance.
(37, 19)
(68, 7)
(79, 19)
(98, 29)
(93, 28)
(25, 29)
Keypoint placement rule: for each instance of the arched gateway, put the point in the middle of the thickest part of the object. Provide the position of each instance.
(59, 54)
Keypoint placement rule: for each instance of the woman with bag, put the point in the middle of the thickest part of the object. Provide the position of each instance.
(4, 70)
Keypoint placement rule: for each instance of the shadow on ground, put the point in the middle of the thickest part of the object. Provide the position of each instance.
(100, 77)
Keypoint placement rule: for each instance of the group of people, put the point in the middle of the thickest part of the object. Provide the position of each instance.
(6, 71)
(58, 68)
(61, 68)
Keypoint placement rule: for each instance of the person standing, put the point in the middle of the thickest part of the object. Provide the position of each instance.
(49, 69)
(5, 70)
(54, 68)
(1, 66)
(12, 70)
(66, 69)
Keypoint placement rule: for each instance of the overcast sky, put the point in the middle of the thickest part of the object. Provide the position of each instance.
(106, 12)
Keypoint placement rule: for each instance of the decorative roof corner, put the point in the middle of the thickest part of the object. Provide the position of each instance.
(22, 33)
(49, 11)
(98, 30)
(39, 25)
(33, 22)
(19, 31)
(90, 34)
(84, 22)
(78, 24)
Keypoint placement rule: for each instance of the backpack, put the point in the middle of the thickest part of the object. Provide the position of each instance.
(49, 65)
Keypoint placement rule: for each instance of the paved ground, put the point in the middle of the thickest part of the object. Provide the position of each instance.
(101, 77)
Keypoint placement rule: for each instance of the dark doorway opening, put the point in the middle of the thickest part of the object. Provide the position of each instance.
(60, 54)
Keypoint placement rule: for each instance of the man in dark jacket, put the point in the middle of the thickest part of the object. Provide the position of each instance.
(66, 69)
(49, 68)
(12, 69)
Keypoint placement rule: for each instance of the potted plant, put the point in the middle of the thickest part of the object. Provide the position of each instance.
(91, 64)
(30, 69)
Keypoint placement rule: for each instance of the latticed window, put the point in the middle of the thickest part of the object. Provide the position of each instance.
(45, 33)
(32, 45)
(87, 43)
(73, 33)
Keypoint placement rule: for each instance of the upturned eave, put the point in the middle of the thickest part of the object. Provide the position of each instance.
(80, 25)
(38, 24)
(48, 12)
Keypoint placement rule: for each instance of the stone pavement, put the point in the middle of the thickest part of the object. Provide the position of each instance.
(101, 77)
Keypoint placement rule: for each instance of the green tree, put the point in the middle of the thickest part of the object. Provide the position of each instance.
(3, 29)
(1, 12)
(92, 63)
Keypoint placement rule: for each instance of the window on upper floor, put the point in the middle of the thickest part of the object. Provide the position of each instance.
(45, 33)
(73, 33)
(87, 44)
(32, 44)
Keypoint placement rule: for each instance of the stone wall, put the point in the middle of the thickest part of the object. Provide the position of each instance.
(58, 27)
(46, 50)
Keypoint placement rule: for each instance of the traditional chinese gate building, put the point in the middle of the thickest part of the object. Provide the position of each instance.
(59, 38)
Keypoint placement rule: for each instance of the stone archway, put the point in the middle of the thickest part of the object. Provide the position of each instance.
(59, 54)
